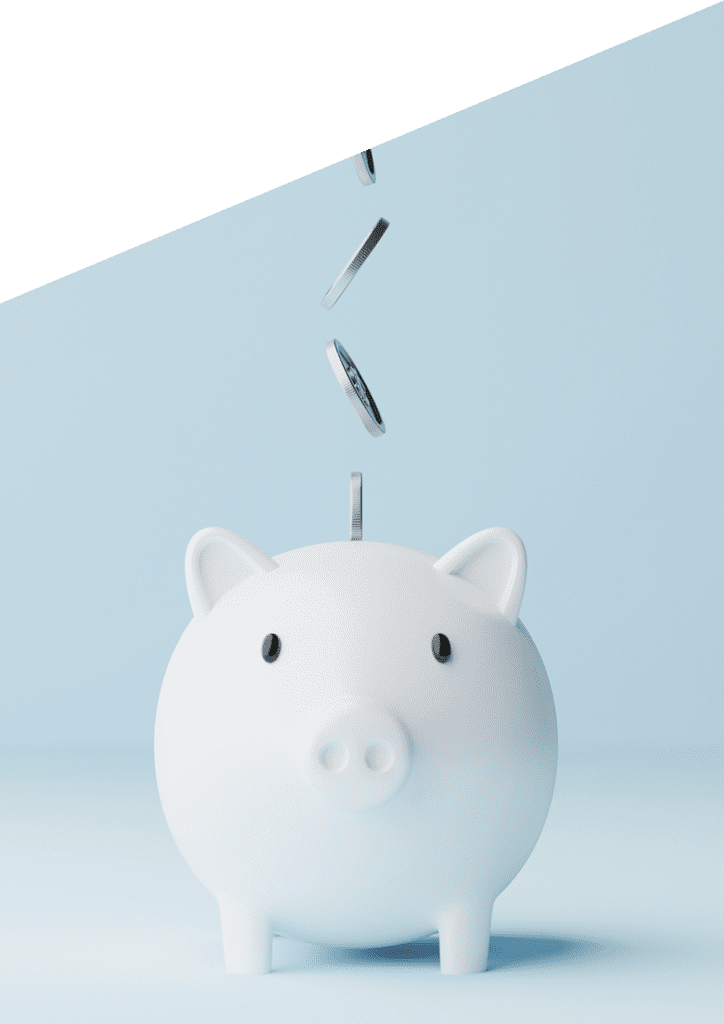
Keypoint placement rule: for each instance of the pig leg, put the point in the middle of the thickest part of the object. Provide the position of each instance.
(464, 937)
(247, 936)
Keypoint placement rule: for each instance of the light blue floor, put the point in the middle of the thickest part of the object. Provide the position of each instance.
(617, 916)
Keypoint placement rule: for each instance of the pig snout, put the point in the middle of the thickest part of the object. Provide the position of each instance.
(359, 756)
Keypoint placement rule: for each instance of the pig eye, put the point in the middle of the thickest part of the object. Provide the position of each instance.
(441, 647)
(271, 647)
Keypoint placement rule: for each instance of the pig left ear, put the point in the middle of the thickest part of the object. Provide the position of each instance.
(493, 560)
(216, 560)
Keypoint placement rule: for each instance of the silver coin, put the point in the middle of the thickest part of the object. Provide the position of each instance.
(365, 166)
(351, 268)
(354, 387)
(355, 506)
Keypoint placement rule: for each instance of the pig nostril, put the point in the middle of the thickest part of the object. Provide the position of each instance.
(357, 757)
(334, 757)
(379, 756)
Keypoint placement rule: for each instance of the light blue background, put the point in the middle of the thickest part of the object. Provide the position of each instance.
(542, 329)
(616, 917)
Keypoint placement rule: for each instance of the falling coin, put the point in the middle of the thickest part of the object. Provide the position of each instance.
(355, 263)
(355, 506)
(354, 387)
(365, 167)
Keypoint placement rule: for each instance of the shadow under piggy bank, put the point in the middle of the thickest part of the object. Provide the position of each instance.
(507, 952)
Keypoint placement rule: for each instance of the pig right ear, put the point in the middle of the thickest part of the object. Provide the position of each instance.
(493, 560)
(216, 560)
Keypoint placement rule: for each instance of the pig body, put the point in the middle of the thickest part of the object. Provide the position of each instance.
(358, 787)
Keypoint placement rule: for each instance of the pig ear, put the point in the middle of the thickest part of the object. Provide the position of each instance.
(493, 560)
(216, 560)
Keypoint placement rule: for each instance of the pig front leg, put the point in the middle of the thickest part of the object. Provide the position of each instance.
(247, 936)
(465, 937)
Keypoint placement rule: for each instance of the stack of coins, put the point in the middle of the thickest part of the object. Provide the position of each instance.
(345, 371)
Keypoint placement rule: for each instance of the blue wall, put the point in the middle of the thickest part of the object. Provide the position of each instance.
(541, 327)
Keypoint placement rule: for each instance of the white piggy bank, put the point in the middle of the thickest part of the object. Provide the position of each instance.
(356, 742)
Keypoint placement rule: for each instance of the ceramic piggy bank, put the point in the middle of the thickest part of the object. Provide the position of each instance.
(355, 742)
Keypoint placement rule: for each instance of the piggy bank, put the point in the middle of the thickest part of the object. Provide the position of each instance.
(355, 742)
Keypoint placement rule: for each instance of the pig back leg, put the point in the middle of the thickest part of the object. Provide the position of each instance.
(465, 937)
(247, 936)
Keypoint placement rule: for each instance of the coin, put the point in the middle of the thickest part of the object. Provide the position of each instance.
(365, 167)
(354, 387)
(355, 506)
(355, 263)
